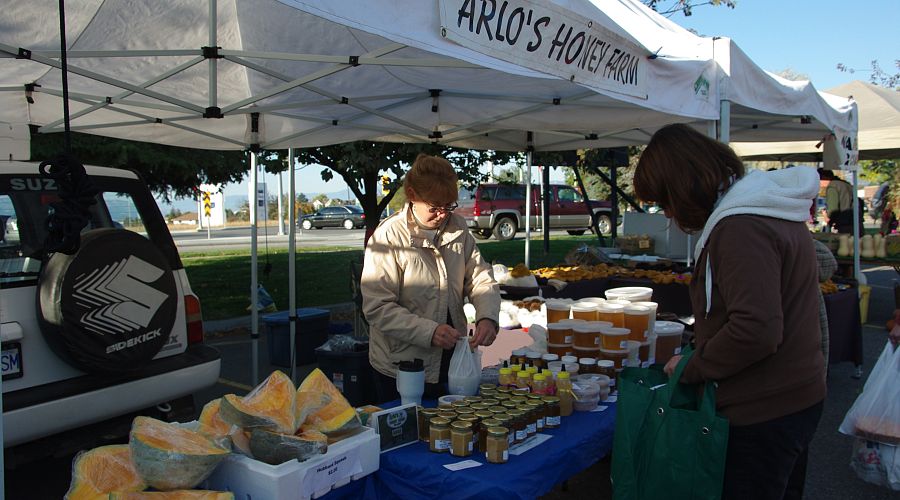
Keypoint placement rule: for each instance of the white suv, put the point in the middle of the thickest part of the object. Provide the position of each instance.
(111, 330)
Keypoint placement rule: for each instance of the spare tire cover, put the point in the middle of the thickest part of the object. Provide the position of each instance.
(111, 306)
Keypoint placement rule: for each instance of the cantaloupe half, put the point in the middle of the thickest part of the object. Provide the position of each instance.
(210, 423)
(174, 495)
(335, 418)
(100, 471)
(273, 448)
(172, 457)
(269, 406)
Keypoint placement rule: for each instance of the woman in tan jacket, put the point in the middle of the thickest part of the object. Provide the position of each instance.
(419, 266)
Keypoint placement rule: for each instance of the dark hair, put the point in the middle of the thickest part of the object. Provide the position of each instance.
(433, 180)
(684, 172)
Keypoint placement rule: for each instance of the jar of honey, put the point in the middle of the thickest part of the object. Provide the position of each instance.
(534, 360)
(425, 416)
(476, 428)
(530, 420)
(461, 439)
(491, 402)
(552, 418)
(637, 320)
(537, 408)
(539, 384)
(566, 396)
(559, 333)
(439, 435)
(482, 435)
(518, 357)
(587, 365)
(485, 387)
(497, 445)
(506, 421)
(519, 426)
(523, 381)
(556, 311)
(608, 368)
(506, 377)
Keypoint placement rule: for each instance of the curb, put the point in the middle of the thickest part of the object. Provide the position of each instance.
(220, 325)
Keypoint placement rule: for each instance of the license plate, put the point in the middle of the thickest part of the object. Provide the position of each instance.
(11, 361)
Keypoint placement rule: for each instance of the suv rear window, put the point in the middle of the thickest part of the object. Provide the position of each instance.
(511, 193)
(25, 204)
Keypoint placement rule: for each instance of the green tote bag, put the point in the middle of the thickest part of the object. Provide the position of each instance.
(669, 442)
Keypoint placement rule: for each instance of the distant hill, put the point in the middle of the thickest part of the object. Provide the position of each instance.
(232, 202)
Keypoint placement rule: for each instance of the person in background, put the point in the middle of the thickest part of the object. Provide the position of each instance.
(419, 265)
(839, 200)
(755, 301)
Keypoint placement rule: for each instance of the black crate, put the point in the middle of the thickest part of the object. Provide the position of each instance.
(351, 373)
(312, 331)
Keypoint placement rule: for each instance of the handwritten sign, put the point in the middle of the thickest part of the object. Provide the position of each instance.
(544, 37)
(322, 476)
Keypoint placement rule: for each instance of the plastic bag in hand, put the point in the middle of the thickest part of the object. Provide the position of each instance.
(875, 415)
(465, 369)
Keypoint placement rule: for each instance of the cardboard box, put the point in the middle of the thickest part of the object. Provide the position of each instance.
(668, 240)
(347, 460)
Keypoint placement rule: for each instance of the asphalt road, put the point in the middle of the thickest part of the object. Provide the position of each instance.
(239, 237)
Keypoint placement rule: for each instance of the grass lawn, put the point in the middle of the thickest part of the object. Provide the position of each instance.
(222, 279)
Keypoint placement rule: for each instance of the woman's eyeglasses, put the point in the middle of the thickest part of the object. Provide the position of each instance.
(445, 209)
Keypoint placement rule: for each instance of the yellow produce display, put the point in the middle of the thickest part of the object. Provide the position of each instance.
(103, 470)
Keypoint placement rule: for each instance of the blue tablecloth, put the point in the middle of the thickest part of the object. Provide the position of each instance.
(414, 472)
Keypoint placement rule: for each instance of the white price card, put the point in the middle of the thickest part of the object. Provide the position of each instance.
(465, 464)
(612, 399)
(323, 475)
(599, 408)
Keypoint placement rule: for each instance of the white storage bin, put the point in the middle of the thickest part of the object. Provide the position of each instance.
(347, 460)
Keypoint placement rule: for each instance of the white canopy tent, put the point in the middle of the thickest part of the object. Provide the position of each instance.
(879, 128)
(301, 73)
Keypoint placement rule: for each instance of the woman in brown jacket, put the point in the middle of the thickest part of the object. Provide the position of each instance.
(754, 296)
(420, 264)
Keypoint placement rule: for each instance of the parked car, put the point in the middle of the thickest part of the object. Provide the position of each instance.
(499, 209)
(91, 339)
(347, 216)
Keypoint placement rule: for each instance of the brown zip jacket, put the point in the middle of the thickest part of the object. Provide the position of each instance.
(760, 341)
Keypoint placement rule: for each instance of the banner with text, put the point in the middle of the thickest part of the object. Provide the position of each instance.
(544, 37)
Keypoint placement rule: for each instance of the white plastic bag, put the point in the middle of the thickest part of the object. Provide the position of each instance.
(875, 416)
(465, 369)
(876, 463)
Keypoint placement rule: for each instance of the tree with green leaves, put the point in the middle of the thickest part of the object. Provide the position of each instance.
(362, 164)
(669, 7)
(168, 170)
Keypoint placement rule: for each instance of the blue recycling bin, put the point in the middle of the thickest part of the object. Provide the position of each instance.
(312, 331)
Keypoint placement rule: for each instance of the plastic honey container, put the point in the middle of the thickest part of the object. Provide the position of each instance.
(561, 350)
(559, 333)
(586, 335)
(668, 340)
(556, 311)
(613, 338)
(617, 356)
(612, 313)
(586, 311)
(637, 320)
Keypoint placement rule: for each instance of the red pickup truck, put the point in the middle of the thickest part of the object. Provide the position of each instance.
(499, 209)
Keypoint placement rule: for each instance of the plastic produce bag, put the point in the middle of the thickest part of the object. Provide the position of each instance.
(876, 463)
(264, 301)
(875, 416)
(465, 369)
(345, 343)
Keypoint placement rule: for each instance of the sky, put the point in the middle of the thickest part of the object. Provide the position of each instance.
(809, 37)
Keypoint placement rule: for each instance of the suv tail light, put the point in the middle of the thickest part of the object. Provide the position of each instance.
(194, 319)
(476, 210)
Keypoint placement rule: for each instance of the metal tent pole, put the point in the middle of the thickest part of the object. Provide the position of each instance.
(857, 230)
(254, 271)
(292, 271)
(280, 206)
(528, 209)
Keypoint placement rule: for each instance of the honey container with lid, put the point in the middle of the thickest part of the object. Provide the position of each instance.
(608, 368)
(586, 311)
(425, 416)
(613, 338)
(476, 427)
(506, 377)
(537, 408)
(617, 356)
(519, 426)
(439, 435)
(518, 358)
(482, 435)
(637, 320)
(583, 352)
(552, 418)
(561, 350)
(534, 360)
(556, 311)
(587, 365)
(530, 420)
(566, 396)
(559, 333)
(497, 445)
(586, 335)
(491, 402)
(461, 439)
